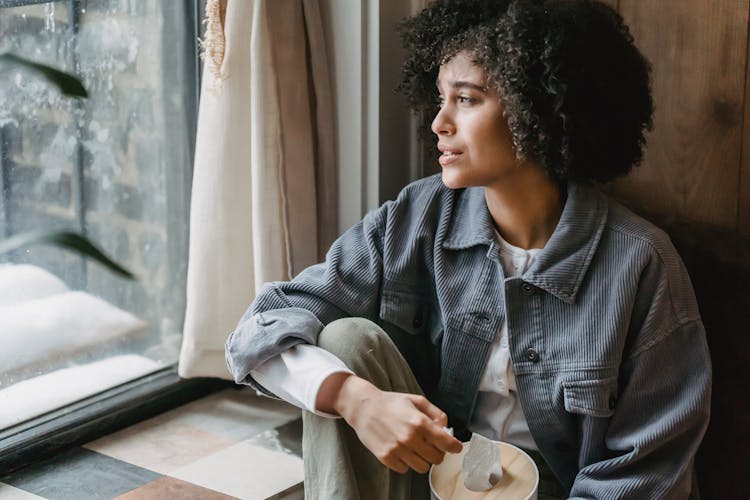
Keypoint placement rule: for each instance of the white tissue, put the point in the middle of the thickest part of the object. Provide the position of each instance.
(481, 469)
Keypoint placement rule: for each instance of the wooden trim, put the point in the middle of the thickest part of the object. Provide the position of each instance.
(743, 211)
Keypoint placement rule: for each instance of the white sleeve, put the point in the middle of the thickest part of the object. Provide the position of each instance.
(296, 375)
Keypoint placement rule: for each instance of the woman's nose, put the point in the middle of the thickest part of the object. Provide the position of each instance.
(442, 124)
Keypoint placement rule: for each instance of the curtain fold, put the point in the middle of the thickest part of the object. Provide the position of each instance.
(324, 128)
(257, 211)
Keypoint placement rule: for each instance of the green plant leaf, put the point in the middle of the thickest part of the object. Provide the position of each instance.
(65, 239)
(67, 83)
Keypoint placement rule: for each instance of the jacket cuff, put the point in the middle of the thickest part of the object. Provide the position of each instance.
(265, 335)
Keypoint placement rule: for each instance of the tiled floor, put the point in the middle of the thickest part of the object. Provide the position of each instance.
(231, 444)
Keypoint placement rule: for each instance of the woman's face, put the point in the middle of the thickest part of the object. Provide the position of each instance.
(473, 136)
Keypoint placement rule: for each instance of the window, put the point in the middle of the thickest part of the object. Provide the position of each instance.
(116, 167)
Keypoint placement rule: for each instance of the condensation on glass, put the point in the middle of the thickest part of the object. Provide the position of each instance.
(115, 166)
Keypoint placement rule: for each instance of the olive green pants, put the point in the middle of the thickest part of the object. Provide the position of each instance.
(337, 464)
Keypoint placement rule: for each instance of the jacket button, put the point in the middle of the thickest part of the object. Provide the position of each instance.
(532, 355)
(528, 289)
(418, 321)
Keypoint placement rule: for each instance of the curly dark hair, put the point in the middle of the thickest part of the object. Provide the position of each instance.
(575, 89)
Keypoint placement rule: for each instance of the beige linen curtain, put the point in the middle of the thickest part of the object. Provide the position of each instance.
(264, 185)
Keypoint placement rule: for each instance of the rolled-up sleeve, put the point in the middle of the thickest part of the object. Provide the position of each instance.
(266, 334)
(285, 314)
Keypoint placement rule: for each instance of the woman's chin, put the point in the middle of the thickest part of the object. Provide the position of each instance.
(451, 180)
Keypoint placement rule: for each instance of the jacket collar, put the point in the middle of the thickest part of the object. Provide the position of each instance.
(471, 223)
(561, 266)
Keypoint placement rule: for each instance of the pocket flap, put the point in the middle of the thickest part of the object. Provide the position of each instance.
(596, 398)
(406, 311)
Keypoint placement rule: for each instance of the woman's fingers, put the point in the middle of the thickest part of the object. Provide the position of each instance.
(415, 462)
(443, 441)
(428, 452)
(403, 431)
(417, 438)
(411, 455)
(403, 454)
(436, 414)
(433, 431)
(396, 465)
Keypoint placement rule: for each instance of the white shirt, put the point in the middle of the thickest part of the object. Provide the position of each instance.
(498, 414)
(297, 373)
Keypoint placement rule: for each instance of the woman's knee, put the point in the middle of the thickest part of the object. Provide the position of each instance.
(369, 352)
(349, 338)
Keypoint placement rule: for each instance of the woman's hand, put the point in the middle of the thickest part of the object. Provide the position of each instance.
(404, 431)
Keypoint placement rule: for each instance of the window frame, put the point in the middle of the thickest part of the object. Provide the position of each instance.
(128, 403)
(99, 415)
(23, 3)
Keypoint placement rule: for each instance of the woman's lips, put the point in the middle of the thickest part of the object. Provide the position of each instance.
(448, 157)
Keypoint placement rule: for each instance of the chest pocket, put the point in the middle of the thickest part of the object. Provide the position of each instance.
(406, 319)
(409, 312)
(593, 398)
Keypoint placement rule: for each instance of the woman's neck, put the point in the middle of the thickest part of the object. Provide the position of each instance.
(526, 206)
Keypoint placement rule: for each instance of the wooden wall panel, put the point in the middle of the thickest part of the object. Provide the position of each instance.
(695, 183)
(698, 50)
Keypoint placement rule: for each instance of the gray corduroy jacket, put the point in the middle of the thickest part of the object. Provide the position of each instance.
(609, 351)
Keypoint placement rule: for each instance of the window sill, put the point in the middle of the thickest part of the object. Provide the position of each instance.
(99, 415)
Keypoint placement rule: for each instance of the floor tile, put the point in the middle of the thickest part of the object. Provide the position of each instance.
(162, 443)
(286, 438)
(234, 414)
(245, 470)
(79, 474)
(159, 445)
(169, 488)
(294, 493)
(183, 435)
(8, 492)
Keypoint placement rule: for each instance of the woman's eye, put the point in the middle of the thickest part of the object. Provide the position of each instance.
(460, 99)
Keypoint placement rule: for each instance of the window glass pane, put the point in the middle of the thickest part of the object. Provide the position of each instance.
(115, 166)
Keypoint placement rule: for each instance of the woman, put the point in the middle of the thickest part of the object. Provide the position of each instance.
(518, 300)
